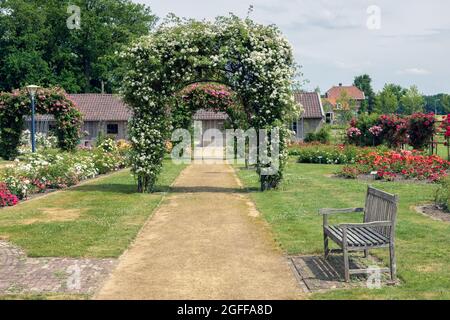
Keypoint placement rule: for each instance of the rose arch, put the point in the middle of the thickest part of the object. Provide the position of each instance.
(53, 101)
(253, 60)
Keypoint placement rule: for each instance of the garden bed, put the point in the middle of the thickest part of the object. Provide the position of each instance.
(434, 212)
(50, 169)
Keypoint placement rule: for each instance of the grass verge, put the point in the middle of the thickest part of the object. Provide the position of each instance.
(97, 219)
(423, 252)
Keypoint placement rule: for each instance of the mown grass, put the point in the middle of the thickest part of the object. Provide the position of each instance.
(423, 248)
(104, 216)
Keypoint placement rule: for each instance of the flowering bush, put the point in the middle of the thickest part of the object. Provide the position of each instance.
(353, 134)
(15, 106)
(255, 61)
(376, 131)
(394, 130)
(51, 169)
(421, 128)
(416, 130)
(6, 197)
(330, 154)
(404, 164)
(445, 126)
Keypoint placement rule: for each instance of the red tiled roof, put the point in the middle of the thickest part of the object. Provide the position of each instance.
(101, 107)
(203, 114)
(335, 93)
(311, 104)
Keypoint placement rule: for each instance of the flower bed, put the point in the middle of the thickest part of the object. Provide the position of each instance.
(52, 169)
(330, 154)
(394, 165)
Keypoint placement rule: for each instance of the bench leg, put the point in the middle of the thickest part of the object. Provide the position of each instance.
(393, 262)
(366, 253)
(325, 246)
(346, 265)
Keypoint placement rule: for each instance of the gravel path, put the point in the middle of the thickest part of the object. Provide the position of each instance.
(206, 241)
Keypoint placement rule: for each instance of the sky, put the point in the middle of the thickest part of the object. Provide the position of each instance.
(406, 42)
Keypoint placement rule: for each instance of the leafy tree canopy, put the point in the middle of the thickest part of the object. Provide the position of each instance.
(38, 47)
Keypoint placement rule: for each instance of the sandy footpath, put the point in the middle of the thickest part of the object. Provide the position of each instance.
(206, 241)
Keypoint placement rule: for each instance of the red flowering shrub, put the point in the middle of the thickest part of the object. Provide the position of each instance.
(394, 130)
(405, 164)
(421, 128)
(7, 199)
(445, 126)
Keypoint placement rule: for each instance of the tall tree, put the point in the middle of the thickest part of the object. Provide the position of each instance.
(387, 100)
(412, 101)
(37, 46)
(445, 104)
(364, 83)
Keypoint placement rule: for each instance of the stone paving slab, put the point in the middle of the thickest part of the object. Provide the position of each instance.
(316, 274)
(20, 274)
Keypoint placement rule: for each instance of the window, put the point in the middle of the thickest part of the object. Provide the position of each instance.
(112, 128)
(329, 117)
(294, 127)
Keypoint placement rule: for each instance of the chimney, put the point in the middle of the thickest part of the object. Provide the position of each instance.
(340, 84)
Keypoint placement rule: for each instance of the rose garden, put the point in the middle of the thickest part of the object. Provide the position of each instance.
(67, 200)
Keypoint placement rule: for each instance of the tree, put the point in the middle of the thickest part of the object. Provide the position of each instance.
(445, 103)
(364, 83)
(346, 106)
(38, 47)
(387, 101)
(412, 101)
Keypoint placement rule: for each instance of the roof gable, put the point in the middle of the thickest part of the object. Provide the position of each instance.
(354, 92)
(101, 107)
(311, 103)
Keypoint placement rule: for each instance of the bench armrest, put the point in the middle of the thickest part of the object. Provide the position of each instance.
(366, 225)
(328, 211)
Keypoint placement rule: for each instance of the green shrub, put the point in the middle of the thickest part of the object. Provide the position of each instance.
(322, 136)
(442, 198)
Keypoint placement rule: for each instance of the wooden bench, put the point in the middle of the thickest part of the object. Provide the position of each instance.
(377, 230)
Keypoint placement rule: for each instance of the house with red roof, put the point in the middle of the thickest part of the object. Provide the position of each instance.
(340, 98)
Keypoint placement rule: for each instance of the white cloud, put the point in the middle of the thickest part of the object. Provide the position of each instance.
(414, 71)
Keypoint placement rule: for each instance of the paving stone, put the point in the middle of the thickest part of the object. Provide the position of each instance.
(20, 274)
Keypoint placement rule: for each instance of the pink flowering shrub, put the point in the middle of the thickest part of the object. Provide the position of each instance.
(7, 199)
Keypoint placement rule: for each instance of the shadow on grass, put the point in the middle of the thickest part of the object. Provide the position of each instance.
(132, 188)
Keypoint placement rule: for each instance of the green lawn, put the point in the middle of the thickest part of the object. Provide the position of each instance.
(101, 217)
(423, 248)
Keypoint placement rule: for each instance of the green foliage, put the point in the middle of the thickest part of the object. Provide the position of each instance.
(37, 47)
(387, 101)
(442, 198)
(14, 106)
(364, 83)
(412, 101)
(364, 122)
(322, 136)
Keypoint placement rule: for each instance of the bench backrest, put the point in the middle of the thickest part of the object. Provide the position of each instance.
(381, 206)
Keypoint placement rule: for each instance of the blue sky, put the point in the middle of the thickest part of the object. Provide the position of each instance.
(332, 42)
